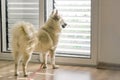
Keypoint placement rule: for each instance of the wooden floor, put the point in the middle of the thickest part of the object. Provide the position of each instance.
(63, 73)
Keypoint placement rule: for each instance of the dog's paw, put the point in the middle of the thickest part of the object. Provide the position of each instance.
(16, 74)
(45, 66)
(25, 75)
(55, 66)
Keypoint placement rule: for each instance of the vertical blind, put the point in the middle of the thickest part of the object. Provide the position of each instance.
(75, 39)
(21, 10)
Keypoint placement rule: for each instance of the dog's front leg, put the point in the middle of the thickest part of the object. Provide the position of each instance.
(44, 60)
(52, 54)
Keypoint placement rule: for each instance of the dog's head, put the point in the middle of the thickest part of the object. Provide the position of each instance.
(55, 16)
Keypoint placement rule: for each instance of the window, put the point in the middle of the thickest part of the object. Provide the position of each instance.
(77, 40)
(19, 10)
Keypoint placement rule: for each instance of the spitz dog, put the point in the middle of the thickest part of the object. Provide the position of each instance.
(25, 40)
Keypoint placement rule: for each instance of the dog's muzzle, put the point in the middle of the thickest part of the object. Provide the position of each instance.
(64, 25)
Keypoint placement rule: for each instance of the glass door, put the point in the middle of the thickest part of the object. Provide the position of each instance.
(78, 40)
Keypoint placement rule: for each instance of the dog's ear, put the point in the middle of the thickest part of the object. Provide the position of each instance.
(52, 12)
(56, 12)
(55, 15)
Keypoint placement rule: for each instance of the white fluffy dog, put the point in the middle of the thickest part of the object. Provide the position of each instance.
(25, 40)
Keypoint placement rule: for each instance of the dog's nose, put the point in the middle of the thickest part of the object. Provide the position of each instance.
(63, 26)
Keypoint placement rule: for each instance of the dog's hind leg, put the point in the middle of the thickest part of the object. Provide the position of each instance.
(52, 54)
(17, 59)
(26, 59)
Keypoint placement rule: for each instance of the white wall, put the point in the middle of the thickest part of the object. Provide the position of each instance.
(109, 27)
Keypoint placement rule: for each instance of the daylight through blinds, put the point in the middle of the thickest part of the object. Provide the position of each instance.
(21, 10)
(75, 39)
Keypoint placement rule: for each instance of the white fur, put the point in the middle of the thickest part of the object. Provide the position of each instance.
(25, 40)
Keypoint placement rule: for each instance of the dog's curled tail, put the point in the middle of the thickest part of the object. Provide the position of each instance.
(24, 28)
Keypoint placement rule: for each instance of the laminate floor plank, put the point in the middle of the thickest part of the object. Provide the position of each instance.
(63, 73)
